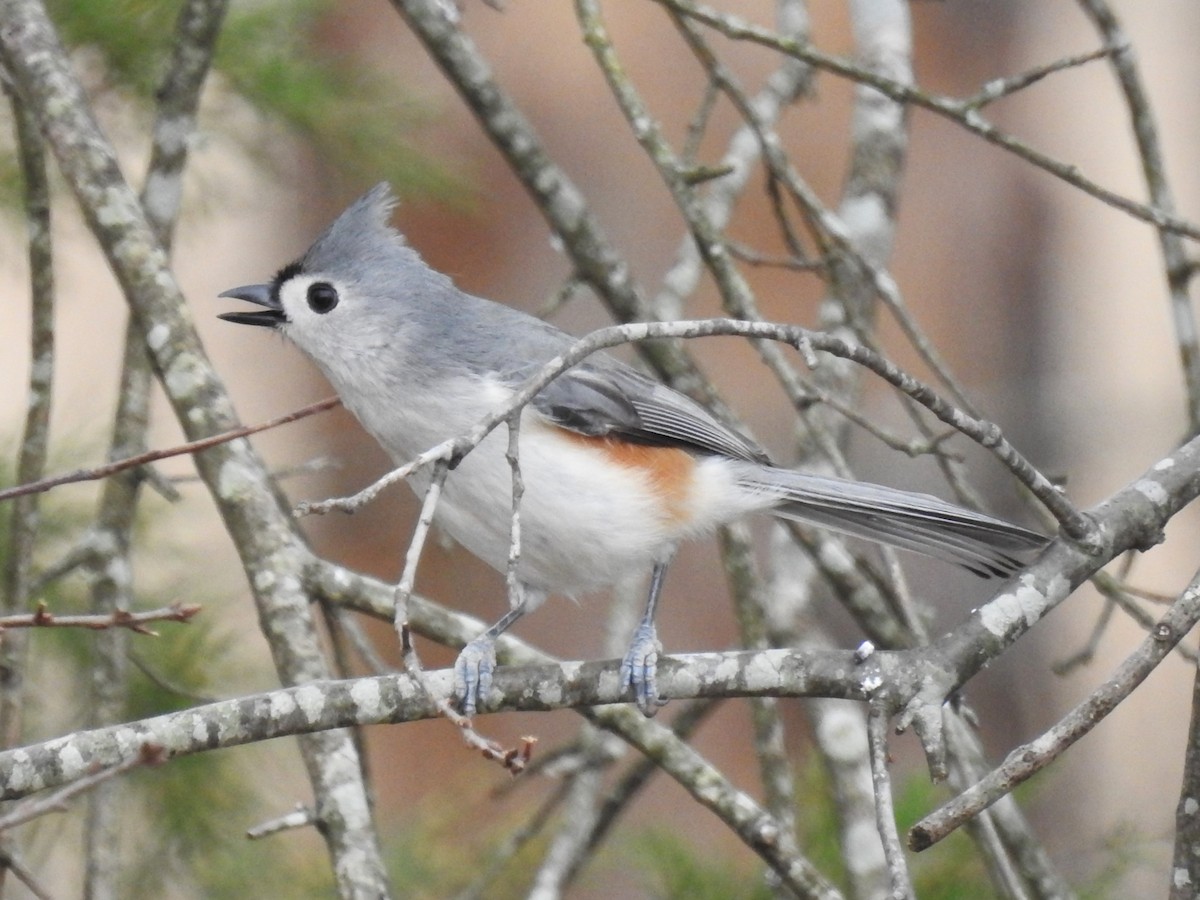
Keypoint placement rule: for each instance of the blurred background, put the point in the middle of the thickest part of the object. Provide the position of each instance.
(1049, 306)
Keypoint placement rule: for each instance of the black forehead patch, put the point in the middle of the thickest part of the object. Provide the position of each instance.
(291, 270)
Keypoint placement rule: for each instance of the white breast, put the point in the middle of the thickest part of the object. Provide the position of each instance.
(584, 521)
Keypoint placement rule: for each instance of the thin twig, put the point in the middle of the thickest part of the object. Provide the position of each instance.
(513, 455)
(1185, 871)
(751, 606)
(416, 545)
(147, 754)
(885, 813)
(1114, 589)
(1030, 758)
(1085, 654)
(1013, 853)
(300, 817)
(985, 433)
(513, 759)
(957, 111)
(164, 683)
(35, 438)
(142, 459)
(516, 840)
(272, 551)
(10, 862)
(1004, 87)
(619, 796)
(119, 618)
(1176, 265)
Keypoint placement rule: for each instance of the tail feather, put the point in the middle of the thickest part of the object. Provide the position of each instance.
(925, 524)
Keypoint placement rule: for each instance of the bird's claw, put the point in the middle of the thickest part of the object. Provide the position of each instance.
(473, 673)
(639, 669)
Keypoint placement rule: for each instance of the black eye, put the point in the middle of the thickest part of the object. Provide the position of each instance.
(322, 297)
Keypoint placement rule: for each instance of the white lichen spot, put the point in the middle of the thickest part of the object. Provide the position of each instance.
(1190, 806)
(551, 694)
(365, 694)
(1151, 490)
(449, 10)
(173, 133)
(264, 580)
(841, 731)
(726, 670)
(157, 337)
(686, 684)
(864, 214)
(110, 210)
(282, 704)
(235, 479)
(1164, 464)
(311, 701)
(161, 196)
(835, 556)
(872, 683)
(609, 685)
(863, 849)
(760, 675)
(1026, 603)
(182, 380)
(22, 774)
(1058, 587)
(71, 762)
(118, 570)
(349, 800)
(165, 281)
(1180, 877)
(41, 370)
(128, 742)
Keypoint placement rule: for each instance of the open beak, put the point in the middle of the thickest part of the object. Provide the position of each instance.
(270, 317)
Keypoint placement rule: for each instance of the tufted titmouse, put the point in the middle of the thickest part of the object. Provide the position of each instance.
(617, 468)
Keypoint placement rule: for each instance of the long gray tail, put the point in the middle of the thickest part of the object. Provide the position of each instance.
(920, 522)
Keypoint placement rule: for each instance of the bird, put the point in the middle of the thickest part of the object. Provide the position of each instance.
(618, 468)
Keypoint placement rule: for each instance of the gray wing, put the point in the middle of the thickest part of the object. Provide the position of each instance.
(600, 397)
(603, 397)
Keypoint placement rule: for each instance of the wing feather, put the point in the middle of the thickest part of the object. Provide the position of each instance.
(607, 398)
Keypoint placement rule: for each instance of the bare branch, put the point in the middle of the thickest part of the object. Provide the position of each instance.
(398, 697)
(266, 537)
(561, 203)
(954, 110)
(885, 813)
(1177, 266)
(119, 618)
(1005, 87)
(301, 817)
(35, 439)
(147, 754)
(1185, 870)
(150, 456)
(985, 433)
(1026, 760)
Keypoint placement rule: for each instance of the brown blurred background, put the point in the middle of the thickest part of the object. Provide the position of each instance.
(1049, 306)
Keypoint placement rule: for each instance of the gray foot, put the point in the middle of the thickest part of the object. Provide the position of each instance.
(639, 669)
(473, 673)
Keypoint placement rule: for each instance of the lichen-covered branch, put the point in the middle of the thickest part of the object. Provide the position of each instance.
(263, 532)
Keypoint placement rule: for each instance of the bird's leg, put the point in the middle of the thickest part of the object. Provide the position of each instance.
(639, 668)
(475, 664)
